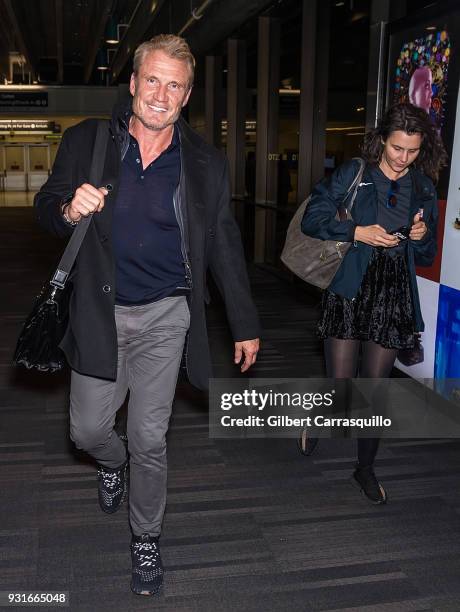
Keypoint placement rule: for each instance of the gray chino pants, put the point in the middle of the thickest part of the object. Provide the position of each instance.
(150, 343)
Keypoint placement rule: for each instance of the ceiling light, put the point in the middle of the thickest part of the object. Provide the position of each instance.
(345, 129)
(114, 31)
(111, 35)
(289, 92)
(101, 60)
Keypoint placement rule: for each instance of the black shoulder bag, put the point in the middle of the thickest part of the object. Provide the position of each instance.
(44, 328)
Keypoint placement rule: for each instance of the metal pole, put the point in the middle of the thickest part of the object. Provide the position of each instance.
(267, 133)
(236, 114)
(307, 90)
(382, 12)
(320, 97)
(213, 96)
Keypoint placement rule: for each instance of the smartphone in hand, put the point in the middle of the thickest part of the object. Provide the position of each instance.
(402, 233)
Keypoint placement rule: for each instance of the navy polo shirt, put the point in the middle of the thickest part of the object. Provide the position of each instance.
(146, 236)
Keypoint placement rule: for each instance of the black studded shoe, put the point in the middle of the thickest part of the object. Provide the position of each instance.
(364, 479)
(112, 487)
(147, 572)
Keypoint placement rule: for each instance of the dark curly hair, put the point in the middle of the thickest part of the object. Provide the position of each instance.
(408, 118)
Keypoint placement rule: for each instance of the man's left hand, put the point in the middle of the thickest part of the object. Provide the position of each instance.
(419, 229)
(250, 349)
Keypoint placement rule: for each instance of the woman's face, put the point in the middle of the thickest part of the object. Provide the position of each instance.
(400, 150)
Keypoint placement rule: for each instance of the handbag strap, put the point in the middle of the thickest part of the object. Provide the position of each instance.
(354, 185)
(73, 246)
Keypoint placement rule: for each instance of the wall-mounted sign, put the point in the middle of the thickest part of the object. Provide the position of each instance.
(23, 99)
(32, 126)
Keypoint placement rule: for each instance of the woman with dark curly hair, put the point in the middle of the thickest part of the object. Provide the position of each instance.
(371, 309)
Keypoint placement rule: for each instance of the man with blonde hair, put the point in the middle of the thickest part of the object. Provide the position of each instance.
(139, 284)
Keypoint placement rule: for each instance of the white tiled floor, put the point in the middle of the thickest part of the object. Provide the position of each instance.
(17, 198)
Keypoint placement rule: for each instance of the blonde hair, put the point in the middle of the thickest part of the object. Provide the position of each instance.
(174, 46)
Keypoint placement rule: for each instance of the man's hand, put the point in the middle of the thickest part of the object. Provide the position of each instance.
(419, 229)
(250, 349)
(87, 200)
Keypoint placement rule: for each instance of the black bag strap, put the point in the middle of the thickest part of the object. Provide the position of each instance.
(73, 246)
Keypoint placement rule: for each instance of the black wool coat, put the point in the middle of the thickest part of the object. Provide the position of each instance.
(211, 237)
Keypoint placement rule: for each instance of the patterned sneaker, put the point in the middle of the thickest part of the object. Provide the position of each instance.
(112, 487)
(365, 479)
(147, 573)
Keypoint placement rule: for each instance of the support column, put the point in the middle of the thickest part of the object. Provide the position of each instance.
(380, 14)
(213, 100)
(321, 86)
(267, 132)
(236, 114)
(382, 11)
(307, 92)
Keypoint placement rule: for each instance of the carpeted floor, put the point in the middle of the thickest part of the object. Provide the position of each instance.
(251, 525)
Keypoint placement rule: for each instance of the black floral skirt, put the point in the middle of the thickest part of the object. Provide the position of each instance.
(382, 310)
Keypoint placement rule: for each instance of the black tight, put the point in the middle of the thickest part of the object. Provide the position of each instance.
(342, 361)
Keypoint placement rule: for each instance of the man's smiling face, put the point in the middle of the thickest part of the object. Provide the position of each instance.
(160, 89)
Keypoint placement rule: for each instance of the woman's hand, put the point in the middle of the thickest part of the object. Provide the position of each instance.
(419, 229)
(374, 235)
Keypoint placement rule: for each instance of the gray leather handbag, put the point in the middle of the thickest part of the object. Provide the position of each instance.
(311, 259)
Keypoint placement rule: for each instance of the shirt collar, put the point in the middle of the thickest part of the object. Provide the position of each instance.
(175, 139)
(175, 142)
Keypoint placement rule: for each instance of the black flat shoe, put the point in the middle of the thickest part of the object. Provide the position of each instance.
(366, 481)
(306, 443)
